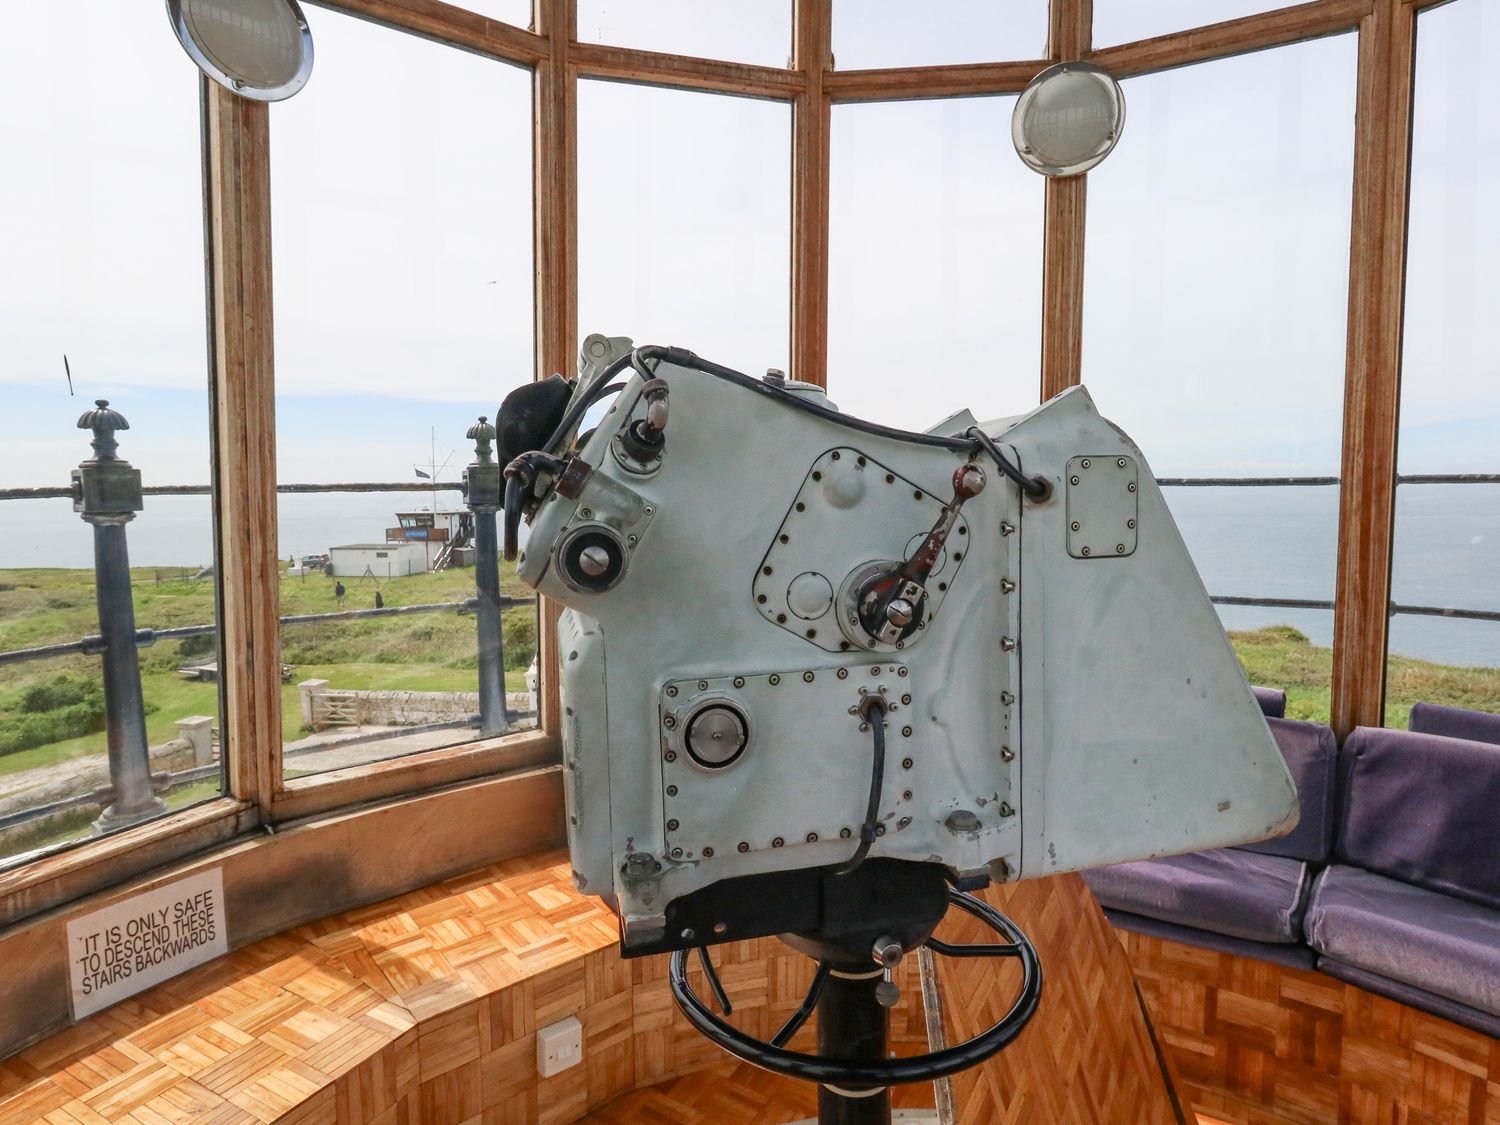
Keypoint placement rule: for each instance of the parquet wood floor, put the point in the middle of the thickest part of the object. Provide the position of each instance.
(1258, 1044)
(738, 1094)
(423, 1010)
(1087, 1056)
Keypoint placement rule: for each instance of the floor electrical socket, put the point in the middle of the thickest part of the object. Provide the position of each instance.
(558, 1046)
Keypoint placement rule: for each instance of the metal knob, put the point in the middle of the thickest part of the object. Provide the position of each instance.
(593, 561)
(900, 612)
(716, 736)
(888, 952)
(776, 377)
(968, 482)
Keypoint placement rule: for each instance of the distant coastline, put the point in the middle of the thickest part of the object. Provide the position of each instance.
(1258, 542)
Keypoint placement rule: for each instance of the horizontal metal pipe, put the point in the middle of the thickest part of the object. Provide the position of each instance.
(1273, 603)
(1396, 608)
(56, 492)
(93, 644)
(63, 492)
(1438, 611)
(44, 652)
(1244, 482)
(1448, 478)
(401, 610)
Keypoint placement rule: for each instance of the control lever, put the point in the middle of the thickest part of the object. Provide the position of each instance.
(891, 604)
(644, 438)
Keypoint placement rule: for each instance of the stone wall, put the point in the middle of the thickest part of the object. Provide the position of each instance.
(324, 706)
(77, 777)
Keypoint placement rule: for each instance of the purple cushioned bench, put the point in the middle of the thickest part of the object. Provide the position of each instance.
(1272, 701)
(1455, 722)
(1411, 906)
(1247, 900)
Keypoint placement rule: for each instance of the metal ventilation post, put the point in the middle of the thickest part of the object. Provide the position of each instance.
(107, 494)
(483, 490)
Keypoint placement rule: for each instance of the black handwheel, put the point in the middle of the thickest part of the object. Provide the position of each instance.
(885, 1072)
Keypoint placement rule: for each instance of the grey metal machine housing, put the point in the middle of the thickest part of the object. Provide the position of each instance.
(1056, 689)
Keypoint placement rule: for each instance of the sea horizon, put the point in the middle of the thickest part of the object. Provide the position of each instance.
(1246, 542)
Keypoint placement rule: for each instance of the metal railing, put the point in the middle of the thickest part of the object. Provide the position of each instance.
(107, 492)
(93, 644)
(1396, 608)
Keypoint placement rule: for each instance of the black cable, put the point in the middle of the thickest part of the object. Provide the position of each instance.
(874, 712)
(585, 398)
(684, 358)
(1038, 488)
(520, 474)
(638, 362)
(511, 507)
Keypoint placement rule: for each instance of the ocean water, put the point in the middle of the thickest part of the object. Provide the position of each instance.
(1251, 542)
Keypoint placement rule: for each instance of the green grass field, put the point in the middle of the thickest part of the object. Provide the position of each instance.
(425, 652)
(435, 652)
(1282, 657)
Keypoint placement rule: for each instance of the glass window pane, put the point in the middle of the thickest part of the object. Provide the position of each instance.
(747, 31)
(1216, 295)
(1125, 21)
(699, 257)
(401, 185)
(101, 221)
(517, 13)
(935, 263)
(1447, 537)
(871, 34)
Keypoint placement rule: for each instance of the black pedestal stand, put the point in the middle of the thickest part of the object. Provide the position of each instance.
(852, 1024)
(851, 1067)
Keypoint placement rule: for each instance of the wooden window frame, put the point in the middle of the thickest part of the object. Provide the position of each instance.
(239, 245)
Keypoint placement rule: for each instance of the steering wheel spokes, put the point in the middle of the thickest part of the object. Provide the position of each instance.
(773, 1055)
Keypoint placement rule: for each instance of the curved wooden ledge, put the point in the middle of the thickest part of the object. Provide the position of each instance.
(424, 1008)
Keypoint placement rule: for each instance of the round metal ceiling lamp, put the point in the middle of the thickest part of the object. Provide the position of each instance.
(1068, 119)
(260, 49)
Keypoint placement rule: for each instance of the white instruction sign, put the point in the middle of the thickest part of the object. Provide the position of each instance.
(140, 941)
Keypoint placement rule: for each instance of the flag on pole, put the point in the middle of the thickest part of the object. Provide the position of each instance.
(421, 474)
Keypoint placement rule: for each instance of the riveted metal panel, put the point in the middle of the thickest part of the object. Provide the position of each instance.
(1103, 505)
(784, 788)
(850, 506)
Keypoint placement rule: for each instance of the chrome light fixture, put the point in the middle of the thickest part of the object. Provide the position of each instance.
(260, 49)
(1068, 119)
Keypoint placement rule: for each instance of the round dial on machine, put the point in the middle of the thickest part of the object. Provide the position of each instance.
(716, 736)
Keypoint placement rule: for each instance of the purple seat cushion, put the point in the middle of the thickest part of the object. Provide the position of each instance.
(1418, 937)
(1311, 754)
(1423, 809)
(1418, 998)
(1229, 891)
(1455, 722)
(1272, 702)
(1291, 956)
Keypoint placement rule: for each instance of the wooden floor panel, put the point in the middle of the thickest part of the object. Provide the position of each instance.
(1258, 1044)
(423, 1010)
(739, 1094)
